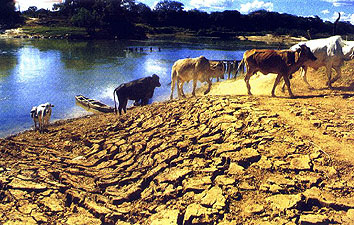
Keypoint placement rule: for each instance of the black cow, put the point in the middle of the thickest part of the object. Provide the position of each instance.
(140, 90)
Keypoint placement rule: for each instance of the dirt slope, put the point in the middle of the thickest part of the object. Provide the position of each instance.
(207, 160)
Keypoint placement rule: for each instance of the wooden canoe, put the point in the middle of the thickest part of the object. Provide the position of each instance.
(93, 104)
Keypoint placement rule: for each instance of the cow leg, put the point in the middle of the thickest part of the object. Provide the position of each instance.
(145, 101)
(122, 105)
(46, 122)
(179, 87)
(339, 74)
(276, 82)
(136, 102)
(283, 87)
(40, 121)
(303, 72)
(287, 82)
(181, 92)
(329, 75)
(195, 86)
(247, 80)
(209, 87)
(173, 83)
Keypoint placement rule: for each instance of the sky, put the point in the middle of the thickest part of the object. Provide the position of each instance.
(327, 10)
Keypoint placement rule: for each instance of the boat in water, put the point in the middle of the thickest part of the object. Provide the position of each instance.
(88, 103)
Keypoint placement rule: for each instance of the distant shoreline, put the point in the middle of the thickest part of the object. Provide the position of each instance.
(20, 33)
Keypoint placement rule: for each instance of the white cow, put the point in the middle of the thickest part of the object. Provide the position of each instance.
(44, 111)
(330, 52)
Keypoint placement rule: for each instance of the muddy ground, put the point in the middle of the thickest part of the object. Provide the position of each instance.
(225, 158)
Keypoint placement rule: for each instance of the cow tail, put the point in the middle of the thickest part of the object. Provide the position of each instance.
(241, 67)
(114, 98)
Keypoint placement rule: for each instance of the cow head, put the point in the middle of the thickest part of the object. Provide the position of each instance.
(48, 105)
(156, 81)
(219, 66)
(34, 112)
(305, 54)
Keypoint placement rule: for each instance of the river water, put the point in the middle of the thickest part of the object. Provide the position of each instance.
(38, 71)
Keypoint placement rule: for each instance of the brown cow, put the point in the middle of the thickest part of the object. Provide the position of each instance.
(195, 69)
(282, 62)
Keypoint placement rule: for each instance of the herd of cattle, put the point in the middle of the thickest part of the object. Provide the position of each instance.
(329, 52)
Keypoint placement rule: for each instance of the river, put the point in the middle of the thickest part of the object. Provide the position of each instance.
(38, 71)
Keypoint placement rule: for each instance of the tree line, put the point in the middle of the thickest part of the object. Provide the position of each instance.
(130, 19)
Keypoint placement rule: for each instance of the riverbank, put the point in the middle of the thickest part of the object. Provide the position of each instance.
(33, 30)
(221, 158)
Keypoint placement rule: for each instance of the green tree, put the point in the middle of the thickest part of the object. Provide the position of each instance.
(87, 19)
(31, 11)
(169, 6)
(8, 15)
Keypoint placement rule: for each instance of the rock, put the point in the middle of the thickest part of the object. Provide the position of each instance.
(20, 219)
(308, 180)
(27, 207)
(165, 217)
(223, 180)
(173, 175)
(313, 219)
(315, 155)
(327, 199)
(246, 186)
(26, 185)
(54, 203)
(227, 222)
(349, 218)
(245, 157)
(124, 194)
(263, 163)
(279, 164)
(278, 184)
(215, 138)
(283, 202)
(119, 222)
(82, 218)
(300, 162)
(183, 145)
(227, 147)
(196, 214)
(79, 158)
(254, 209)
(328, 171)
(235, 169)
(197, 184)
(96, 208)
(213, 198)
(316, 123)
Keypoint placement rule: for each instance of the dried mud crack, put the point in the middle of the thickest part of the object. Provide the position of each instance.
(205, 160)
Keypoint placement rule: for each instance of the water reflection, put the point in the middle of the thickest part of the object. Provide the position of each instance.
(8, 59)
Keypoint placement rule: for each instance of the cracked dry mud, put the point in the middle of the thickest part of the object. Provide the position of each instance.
(205, 160)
